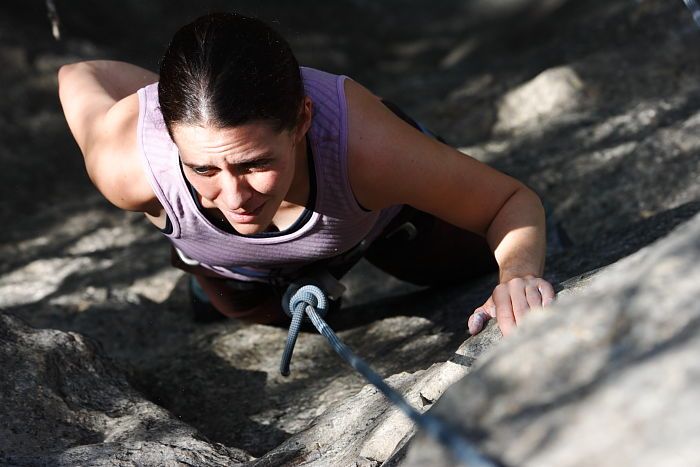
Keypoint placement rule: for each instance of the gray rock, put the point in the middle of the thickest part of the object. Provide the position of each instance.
(64, 403)
(378, 428)
(540, 101)
(606, 377)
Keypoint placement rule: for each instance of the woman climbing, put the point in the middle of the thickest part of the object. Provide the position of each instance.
(258, 171)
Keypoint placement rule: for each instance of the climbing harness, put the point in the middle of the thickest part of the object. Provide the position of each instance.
(310, 302)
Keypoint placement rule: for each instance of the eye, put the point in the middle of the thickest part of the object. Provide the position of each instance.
(256, 166)
(203, 170)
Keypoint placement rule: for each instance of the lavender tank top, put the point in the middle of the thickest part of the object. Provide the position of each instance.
(332, 226)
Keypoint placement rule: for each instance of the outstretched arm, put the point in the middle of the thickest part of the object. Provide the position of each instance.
(517, 236)
(101, 108)
(391, 163)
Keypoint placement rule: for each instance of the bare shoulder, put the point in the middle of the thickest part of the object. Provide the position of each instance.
(372, 129)
(101, 107)
(384, 152)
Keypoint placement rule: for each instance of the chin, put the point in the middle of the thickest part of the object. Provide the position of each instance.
(249, 229)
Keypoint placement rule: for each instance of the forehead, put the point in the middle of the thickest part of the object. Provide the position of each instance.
(199, 142)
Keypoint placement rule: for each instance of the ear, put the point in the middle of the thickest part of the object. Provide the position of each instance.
(306, 112)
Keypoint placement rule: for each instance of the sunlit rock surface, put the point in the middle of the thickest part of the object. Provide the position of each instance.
(607, 377)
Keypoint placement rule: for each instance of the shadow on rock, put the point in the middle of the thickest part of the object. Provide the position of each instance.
(207, 392)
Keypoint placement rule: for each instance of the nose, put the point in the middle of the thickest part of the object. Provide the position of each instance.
(235, 192)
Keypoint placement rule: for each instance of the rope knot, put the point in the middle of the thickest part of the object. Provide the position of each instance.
(309, 295)
(302, 297)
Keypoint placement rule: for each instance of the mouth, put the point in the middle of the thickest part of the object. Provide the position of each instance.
(244, 217)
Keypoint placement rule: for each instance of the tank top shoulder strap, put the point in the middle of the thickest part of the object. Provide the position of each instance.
(329, 138)
(159, 155)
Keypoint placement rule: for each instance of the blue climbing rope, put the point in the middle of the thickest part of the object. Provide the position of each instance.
(307, 295)
(305, 303)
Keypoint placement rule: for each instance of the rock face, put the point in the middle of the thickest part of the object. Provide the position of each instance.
(63, 403)
(608, 376)
(593, 104)
(539, 101)
(378, 428)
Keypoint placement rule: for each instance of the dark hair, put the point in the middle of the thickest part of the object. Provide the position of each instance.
(225, 69)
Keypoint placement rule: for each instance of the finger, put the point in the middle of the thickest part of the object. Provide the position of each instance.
(546, 290)
(516, 289)
(477, 321)
(504, 309)
(489, 307)
(533, 295)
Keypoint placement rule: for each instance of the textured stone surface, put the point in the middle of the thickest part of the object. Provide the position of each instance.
(614, 155)
(365, 428)
(63, 403)
(608, 376)
(540, 101)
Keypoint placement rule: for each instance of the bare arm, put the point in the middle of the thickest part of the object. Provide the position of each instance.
(391, 163)
(101, 108)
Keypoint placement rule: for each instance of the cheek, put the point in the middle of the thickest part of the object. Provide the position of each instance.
(204, 186)
(269, 182)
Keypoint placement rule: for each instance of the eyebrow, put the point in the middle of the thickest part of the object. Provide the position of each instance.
(244, 162)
